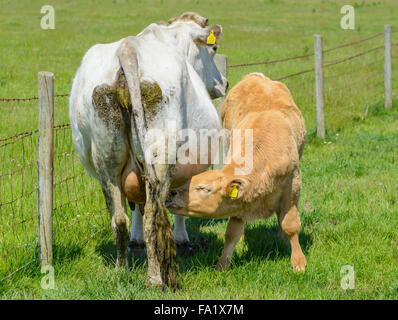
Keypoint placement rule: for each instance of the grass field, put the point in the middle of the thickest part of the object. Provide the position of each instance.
(349, 207)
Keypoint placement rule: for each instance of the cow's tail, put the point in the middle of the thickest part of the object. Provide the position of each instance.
(157, 229)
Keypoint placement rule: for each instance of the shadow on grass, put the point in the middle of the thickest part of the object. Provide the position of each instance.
(67, 251)
(263, 242)
(107, 250)
(206, 247)
(261, 239)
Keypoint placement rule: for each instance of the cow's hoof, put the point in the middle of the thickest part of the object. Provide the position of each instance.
(184, 248)
(137, 248)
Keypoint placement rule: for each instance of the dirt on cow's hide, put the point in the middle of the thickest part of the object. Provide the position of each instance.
(109, 100)
(122, 91)
(107, 106)
(151, 96)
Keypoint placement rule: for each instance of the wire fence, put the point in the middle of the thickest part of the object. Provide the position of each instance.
(18, 196)
(354, 82)
(79, 211)
(79, 208)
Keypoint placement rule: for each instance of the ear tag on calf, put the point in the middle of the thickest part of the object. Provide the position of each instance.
(211, 39)
(234, 192)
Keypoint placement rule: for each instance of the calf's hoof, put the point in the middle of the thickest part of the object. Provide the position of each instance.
(298, 263)
(136, 248)
(222, 265)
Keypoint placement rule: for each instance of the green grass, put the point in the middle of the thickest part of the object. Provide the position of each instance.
(349, 197)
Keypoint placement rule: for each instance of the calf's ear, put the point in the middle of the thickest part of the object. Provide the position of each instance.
(235, 188)
(208, 36)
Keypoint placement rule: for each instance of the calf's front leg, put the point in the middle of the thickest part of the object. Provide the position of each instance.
(234, 232)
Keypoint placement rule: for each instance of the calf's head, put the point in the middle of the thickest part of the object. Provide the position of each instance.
(210, 194)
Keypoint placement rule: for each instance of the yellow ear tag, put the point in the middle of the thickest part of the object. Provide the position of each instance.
(211, 39)
(234, 192)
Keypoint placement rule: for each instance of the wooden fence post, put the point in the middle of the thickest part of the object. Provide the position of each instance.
(45, 166)
(320, 97)
(221, 63)
(387, 67)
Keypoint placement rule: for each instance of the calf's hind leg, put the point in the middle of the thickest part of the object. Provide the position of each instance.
(289, 221)
(290, 225)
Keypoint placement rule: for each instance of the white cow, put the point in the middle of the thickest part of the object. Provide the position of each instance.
(172, 69)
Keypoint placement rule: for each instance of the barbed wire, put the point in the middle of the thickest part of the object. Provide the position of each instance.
(19, 135)
(354, 84)
(353, 43)
(32, 98)
(329, 64)
(305, 55)
(351, 71)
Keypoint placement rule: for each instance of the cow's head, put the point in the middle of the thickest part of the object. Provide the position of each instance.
(199, 53)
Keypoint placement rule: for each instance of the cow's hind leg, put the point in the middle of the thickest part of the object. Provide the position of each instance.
(116, 203)
(109, 155)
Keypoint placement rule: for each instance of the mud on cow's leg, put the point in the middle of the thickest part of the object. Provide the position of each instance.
(116, 204)
(160, 245)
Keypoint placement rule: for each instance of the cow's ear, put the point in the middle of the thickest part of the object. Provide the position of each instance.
(235, 188)
(209, 36)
